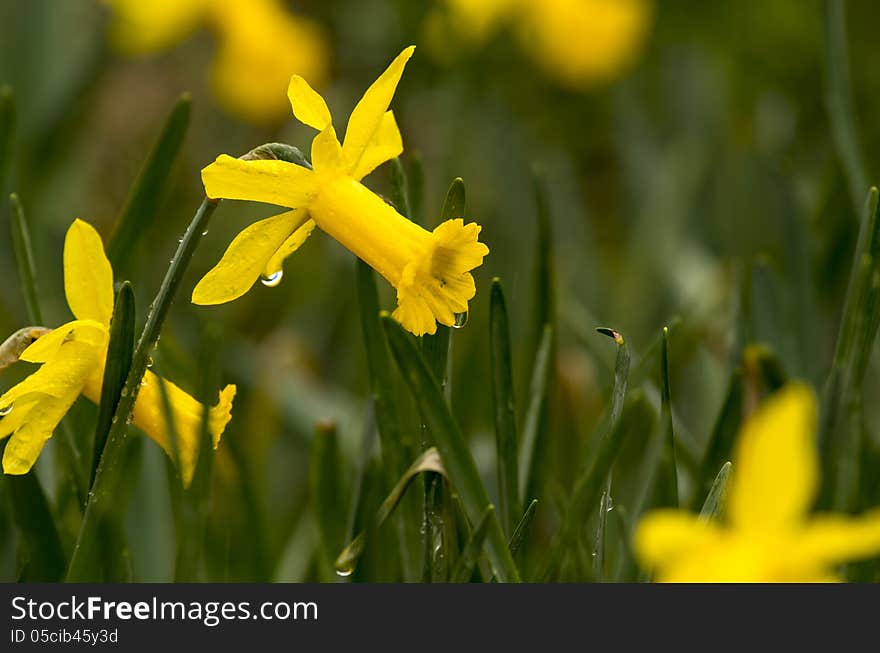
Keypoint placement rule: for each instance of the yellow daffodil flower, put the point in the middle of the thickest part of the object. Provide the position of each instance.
(578, 42)
(260, 44)
(429, 269)
(768, 535)
(72, 359)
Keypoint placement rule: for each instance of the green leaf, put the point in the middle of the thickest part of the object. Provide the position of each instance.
(7, 130)
(714, 502)
(723, 434)
(36, 527)
(119, 353)
(399, 189)
(453, 448)
(326, 496)
(839, 98)
(472, 551)
(637, 418)
(146, 194)
(522, 528)
(24, 259)
(428, 462)
(506, 438)
(667, 471)
(537, 397)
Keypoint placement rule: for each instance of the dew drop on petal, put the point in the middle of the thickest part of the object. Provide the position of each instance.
(460, 320)
(272, 280)
(5, 410)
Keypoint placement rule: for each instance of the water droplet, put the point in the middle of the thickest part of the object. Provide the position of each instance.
(5, 410)
(272, 280)
(143, 382)
(114, 420)
(129, 419)
(205, 232)
(460, 320)
(344, 572)
(124, 392)
(150, 361)
(180, 240)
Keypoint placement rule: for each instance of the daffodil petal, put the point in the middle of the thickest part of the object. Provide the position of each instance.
(293, 243)
(186, 411)
(14, 419)
(307, 104)
(44, 348)
(326, 152)
(88, 277)
(27, 442)
(64, 375)
(775, 468)
(247, 257)
(270, 181)
(664, 536)
(139, 27)
(368, 115)
(827, 540)
(385, 145)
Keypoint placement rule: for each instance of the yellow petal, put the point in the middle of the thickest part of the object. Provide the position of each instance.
(187, 412)
(273, 182)
(27, 442)
(13, 420)
(88, 277)
(385, 145)
(326, 152)
(829, 540)
(293, 243)
(775, 463)
(247, 257)
(308, 106)
(260, 44)
(663, 537)
(88, 331)
(139, 27)
(369, 112)
(63, 376)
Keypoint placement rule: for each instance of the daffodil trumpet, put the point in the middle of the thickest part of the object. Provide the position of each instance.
(767, 533)
(72, 358)
(431, 270)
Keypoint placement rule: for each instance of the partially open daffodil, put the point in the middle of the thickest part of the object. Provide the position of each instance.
(769, 535)
(260, 43)
(72, 359)
(430, 270)
(577, 42)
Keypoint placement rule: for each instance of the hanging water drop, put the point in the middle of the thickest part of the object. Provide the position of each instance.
(272, 280)
(460, 320)
(150, 361)
(205, 232)
(5, 410)
(344, 573)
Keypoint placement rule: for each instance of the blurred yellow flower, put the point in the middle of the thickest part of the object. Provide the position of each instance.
(578, 42)
(260, 44)
(72, 359)
(768, 535)
(430, 270)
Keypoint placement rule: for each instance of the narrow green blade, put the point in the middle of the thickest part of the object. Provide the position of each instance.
(119, 353)
(7, 129)
(453, 448)
(36, 526)
(668, 471)
(522, 528)
(714, 502)
(148, 190)
(506, 439)
(472, 551)
(537, 397)
(326, 496)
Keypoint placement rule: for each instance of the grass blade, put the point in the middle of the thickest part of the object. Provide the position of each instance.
(33, 518)
(668, 471)
(537, 396)
(456, 455)
(24, 258)
(326, 497)
(723, 435)
(637, 417)
(148, 190)
(108, 475)
(714, 502)
(470, 554)
(119, 352)
(7, 129)
(505, 408)
(839, 98)
(428, 462)
(522, 528)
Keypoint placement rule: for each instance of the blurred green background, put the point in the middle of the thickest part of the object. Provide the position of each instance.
(700, 188)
